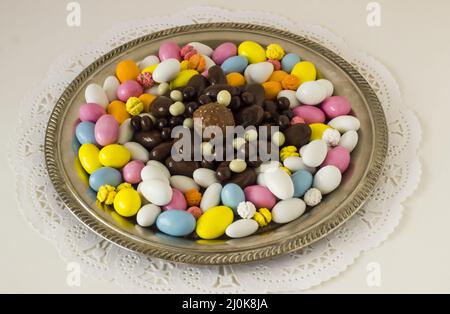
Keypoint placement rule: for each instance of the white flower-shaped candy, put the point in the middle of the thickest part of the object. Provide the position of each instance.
(246, 210)
(331, 136)
(312, 197)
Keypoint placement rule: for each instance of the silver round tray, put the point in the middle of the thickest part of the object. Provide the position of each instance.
(357, 185)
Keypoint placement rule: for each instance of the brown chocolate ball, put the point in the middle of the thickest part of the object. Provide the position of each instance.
(214, 114)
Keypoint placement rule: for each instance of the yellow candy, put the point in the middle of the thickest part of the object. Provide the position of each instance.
(235, 79)
(124, 185)
(150, 68)
(114, 155)
(275, 52)
(317, 130)
(106, 194)
(134, 106)
(305, 71)
(214, 221)
(184, 65)
(127, 202)
(88, 155)
(263, 217)
(118, 110)
(252, 51)
(288, 151)
(182, 78)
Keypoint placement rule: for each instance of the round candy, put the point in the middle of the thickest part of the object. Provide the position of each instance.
(234, 64)
(132, 171)
(85, 133)
(317, 130)
(88, 156)
(302, 182)
(260, 196)
(95, 94)
(127, 202)
(232, 195)
(211, 196)
(103, 176)
(339, 157)
(177, 202)
(106, 130)
(310, 93)
(137, 151)
(147, 215)
(349, 140)
(289, 61)
(224, 97)
(259, 72)
(110, 86)
(223, 52)
(166, 70)
(156, 191)
(182, 78)
(204, 177)
(118, 110)
(252, 51)
(275, 52)
(336, 106)
(242, 228)
(314, 153)
(235, 79)
(305, 71)
(129, 89)
(310, 114)
(177, 223)
(279, 183)
(213, 223)
(169, 50)
(327, 179)
(91, 112)
(288, 210)
(114, 155)
(127, 70)
(345, 123)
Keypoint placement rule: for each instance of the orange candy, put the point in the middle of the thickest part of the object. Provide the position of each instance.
(118, 110)
(290, 82)
(127, 70)
(278, 76)
(147, 100)
(197, 62)
(272, 89)
(235, 79)
(193, 197)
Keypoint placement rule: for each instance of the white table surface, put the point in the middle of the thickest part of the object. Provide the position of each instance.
(412, 41)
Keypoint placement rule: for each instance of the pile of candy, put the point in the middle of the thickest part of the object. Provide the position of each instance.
(125, 141)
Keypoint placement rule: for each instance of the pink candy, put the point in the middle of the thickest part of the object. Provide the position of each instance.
(260, 196)
(91, 112)
(336, 106)
(129, 89)
(195, 211)
(223, 52)
(132, 171)
(297, 120)
(338, 157)
(106, 130)
(310, 114)
(178, 201)
(169, 50)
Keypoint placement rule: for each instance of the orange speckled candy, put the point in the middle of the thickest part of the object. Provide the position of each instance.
(118, 110)
(127, 70)
(193, 197)
(147, 100)
(272, 89)
(235, 79)
(290, 82)
(278, 76)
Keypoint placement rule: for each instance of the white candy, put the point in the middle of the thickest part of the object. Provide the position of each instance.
(246, 210)
(153, 173)
(166, 70)
(327, 179)
(327, 86)
(204, 177)
(157, 192)
(238, 142)
(278, 138)
(208, 62)
(125, 132)
(139, 190)
(287, 210)
(345, 123)
(331, 137)
(295, 163)
(241, 228)
(314, 153)
(311, 93)
(148, 61)
(268, 165)
(259, 72)
(147, 215)
(110, 86)
(137, 151)
(183, 183)
(211, 197)
(176, 95)
(260, 180)
(162, 167)
(251, 135)
(94, 93)
(224, 97)
(312, 197)
(202, 48)
(291, 95)
(279, 183)
(238, 165)
(349, 140)
(162, 88)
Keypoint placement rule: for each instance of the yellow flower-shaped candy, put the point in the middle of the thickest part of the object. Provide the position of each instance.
(275, 52)
(288, 151)
(106, 194)
(134, 106)
(263, 217)
(124, 185)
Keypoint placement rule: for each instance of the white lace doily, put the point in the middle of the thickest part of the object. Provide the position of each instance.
(311, 266)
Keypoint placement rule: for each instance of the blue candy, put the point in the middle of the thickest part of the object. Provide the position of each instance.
(288, 62)
(176, 223)
(85, 132)
(234, 64)
(105, 175)
(302, 180)
(232, 195)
